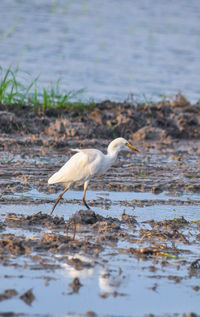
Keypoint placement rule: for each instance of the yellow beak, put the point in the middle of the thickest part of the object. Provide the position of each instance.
(131, 147)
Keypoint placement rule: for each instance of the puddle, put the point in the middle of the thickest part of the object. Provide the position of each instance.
(142, 205)
(114, 196)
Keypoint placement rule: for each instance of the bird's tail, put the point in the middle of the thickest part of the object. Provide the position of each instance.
(55, 178)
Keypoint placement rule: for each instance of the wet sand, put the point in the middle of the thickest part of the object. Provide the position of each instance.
(138, 245)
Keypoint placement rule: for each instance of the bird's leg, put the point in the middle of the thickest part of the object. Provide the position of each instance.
(84, 193)
(58, 199)
(74, 232)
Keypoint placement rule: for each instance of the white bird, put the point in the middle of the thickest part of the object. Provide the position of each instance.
(85, 164)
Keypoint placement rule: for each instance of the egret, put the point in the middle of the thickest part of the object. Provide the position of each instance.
(85, 164)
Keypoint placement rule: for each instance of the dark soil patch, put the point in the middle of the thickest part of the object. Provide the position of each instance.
(176, 118)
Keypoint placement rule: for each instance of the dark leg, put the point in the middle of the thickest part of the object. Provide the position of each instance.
(58, 199)
(84, 193)
(74, 232)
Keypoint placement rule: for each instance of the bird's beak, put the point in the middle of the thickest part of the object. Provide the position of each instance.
(131, 147)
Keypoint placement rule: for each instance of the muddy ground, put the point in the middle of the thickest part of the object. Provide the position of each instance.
(167, 135)
(166, 170)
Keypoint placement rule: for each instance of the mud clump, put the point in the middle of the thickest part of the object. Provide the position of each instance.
(172, 224)
(162, 235)
(129, 219)
(85, 217)
(38, 219)
(75, 285)
(158, 250)
(9, 243)
(7, 294)
(28, 297)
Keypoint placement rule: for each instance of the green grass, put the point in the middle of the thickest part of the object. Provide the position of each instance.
(14, 93)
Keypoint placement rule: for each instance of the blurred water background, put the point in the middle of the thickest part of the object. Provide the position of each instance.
(113, 49)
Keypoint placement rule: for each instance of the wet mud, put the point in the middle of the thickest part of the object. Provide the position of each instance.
(150, 238)
(46, 243)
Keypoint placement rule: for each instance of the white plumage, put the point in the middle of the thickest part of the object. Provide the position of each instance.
(85, 164)
(80, 167)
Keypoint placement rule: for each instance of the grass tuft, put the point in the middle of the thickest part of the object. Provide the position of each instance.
(12, 92)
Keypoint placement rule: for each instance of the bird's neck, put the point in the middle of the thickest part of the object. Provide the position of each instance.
(111, 156)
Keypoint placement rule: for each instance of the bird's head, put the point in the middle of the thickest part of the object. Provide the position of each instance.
(120, 144)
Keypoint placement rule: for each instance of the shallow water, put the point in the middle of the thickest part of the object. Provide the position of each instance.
(110, 48)
(136, 283)
(119, 284)
(142, 205)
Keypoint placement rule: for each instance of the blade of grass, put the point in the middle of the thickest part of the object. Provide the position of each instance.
(33, 83)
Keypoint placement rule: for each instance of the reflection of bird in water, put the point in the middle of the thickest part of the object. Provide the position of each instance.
(85, 270)
(108, 283)
(85, 164)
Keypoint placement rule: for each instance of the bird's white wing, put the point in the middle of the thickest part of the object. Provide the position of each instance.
(79, 168)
